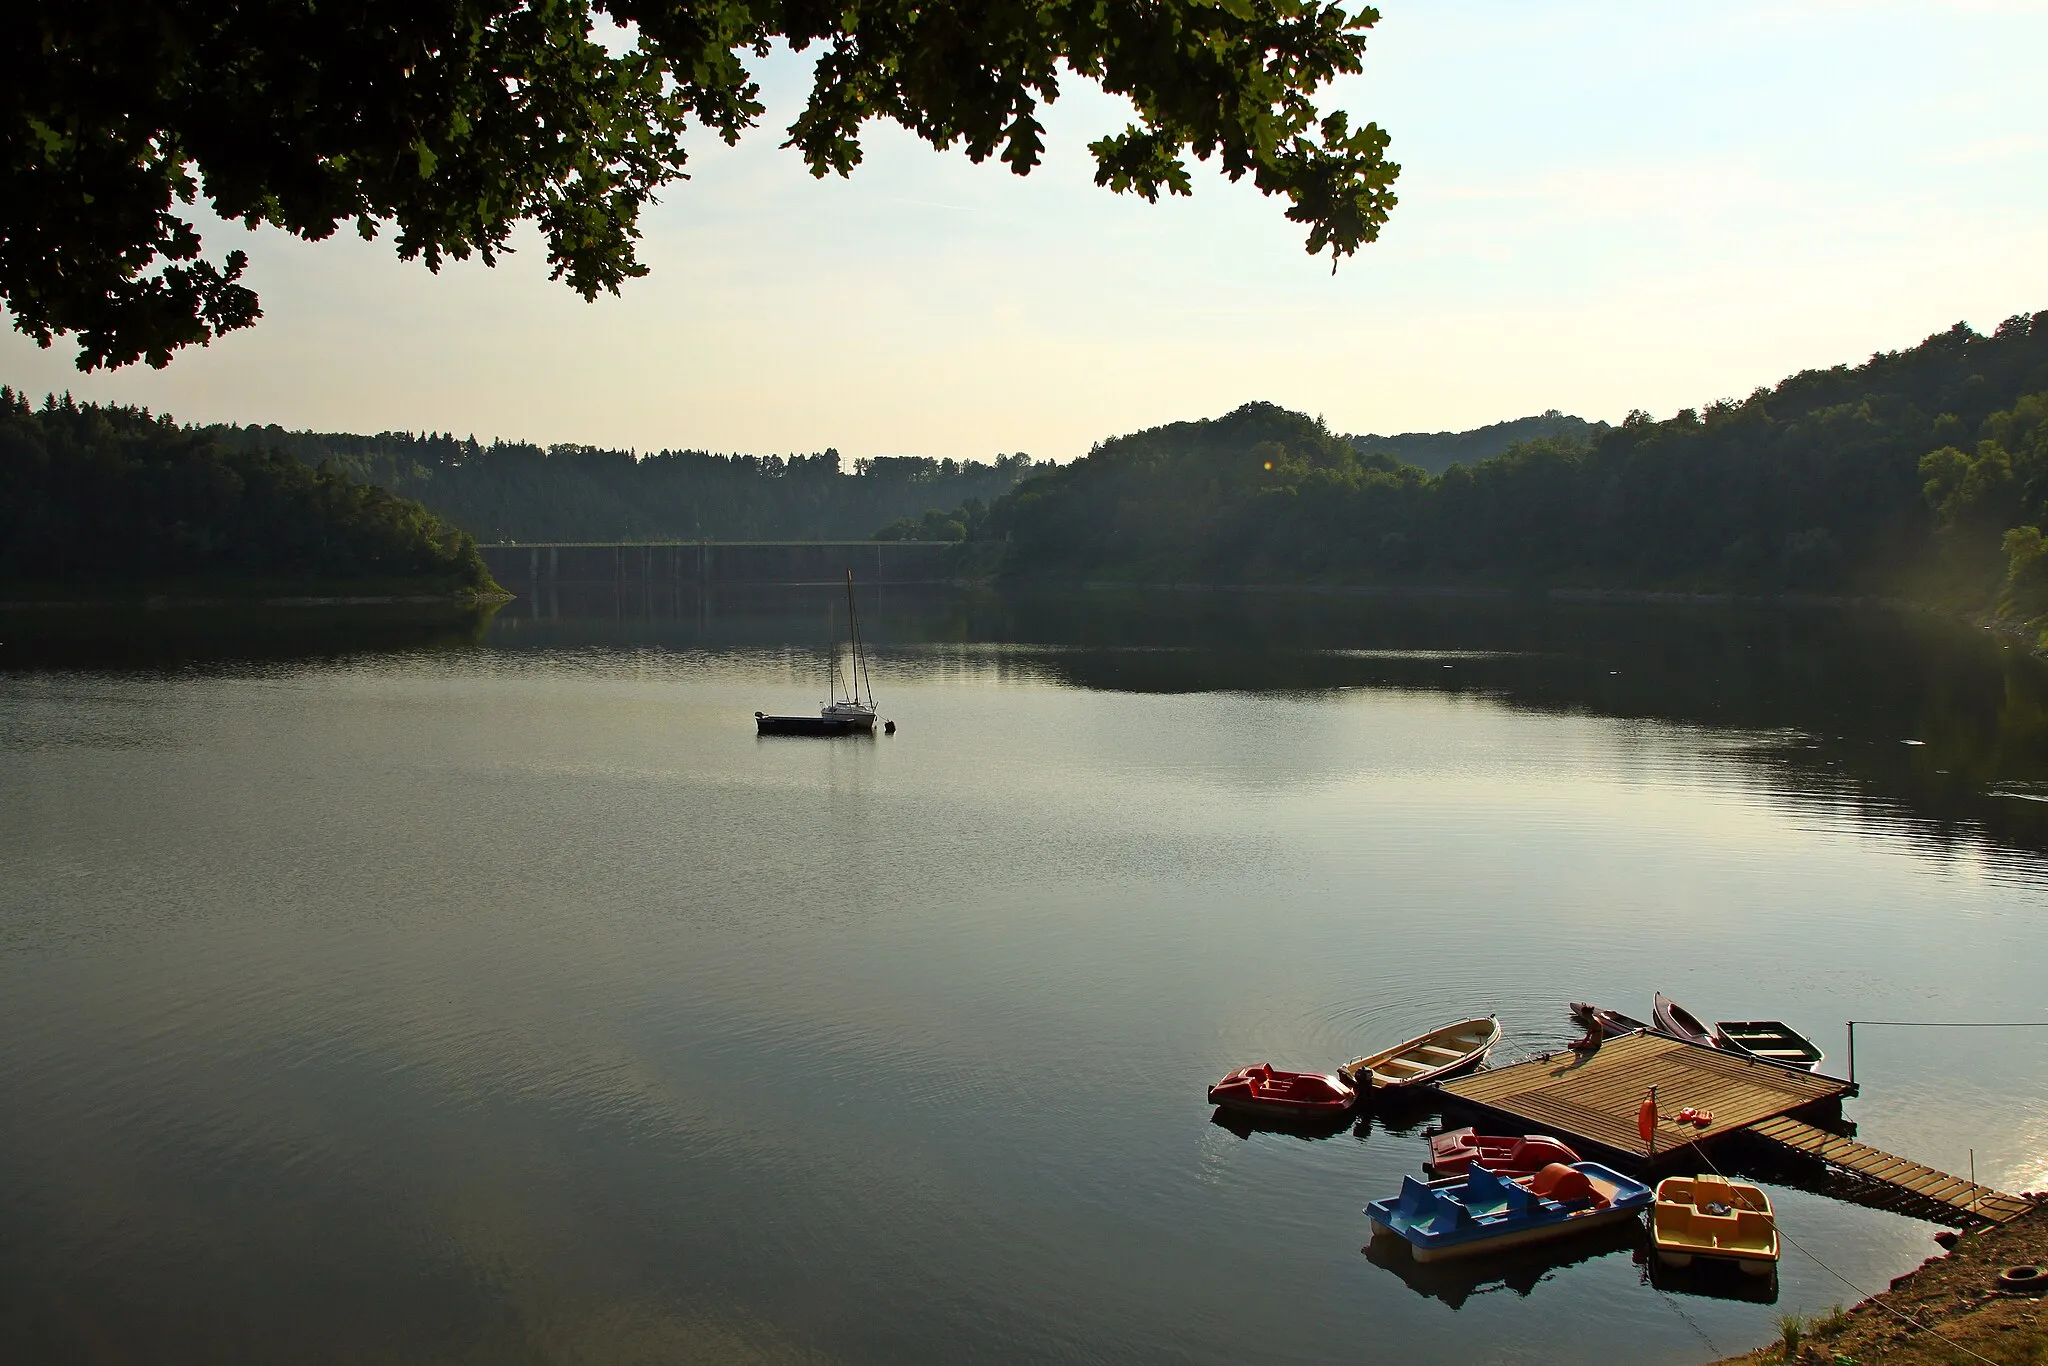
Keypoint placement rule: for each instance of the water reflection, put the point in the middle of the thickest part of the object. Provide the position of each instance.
(1311, 1128)
(228, 635)
(1708, 1279)
(489, 992)
(1909, 719)
(1520, 1270)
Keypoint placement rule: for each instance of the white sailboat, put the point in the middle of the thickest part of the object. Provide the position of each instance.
(850, 710)
(843, 714)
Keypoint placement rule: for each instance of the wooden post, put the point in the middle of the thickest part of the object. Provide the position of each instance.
(1852, 1050)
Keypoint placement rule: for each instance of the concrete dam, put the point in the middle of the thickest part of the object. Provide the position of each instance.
(527, 569)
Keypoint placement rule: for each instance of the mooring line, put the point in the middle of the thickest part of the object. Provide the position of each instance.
(1908, 1319)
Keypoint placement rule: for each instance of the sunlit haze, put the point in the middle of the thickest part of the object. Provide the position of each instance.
(1603, 207)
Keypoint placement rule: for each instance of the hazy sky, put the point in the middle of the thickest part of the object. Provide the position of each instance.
(1603, 206)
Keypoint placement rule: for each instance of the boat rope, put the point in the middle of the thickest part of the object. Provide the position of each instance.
(1688, 1319)
(1866, 1295)
(1958, 1024)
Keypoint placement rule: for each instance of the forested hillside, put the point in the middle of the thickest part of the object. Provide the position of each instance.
(1816, 485)
(117, 497)
(516, 491)
(1438, 451)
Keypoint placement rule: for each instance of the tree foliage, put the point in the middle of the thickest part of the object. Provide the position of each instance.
(451, 121)
(1993, 503)
(115, 495)
(1815, 485)
(518, 491)
(937, 524)
(1438, 451)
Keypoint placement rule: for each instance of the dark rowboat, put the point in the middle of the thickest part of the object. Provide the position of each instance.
(1771, 1040)
(1680, 1023)
(1613, 1024)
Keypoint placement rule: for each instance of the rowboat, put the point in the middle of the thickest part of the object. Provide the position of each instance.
(1454, 1150)
(1714, 1218)
(1426, 1057)
(1680, 1023)
(1771, 1040)
(1263, 1090)
(1613, 1024)
(1490, 1213)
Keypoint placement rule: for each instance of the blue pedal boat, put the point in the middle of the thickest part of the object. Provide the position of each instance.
(1484, 1212)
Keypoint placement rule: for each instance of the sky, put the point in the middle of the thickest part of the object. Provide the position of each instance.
(1604, 206)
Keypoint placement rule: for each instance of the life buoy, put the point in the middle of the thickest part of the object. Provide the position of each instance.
(1646, 1119)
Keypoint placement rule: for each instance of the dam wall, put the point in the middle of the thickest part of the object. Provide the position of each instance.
(526, 568)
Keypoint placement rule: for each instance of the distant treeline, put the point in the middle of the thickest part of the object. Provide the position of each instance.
(1920, 471)
(1438, 451)
(115, 496)
(517, 491)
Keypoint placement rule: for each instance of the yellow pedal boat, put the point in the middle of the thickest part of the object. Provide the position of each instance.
(1712, 1217)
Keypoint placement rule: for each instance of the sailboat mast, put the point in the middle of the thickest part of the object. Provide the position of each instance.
(831, 659)
(860, 659)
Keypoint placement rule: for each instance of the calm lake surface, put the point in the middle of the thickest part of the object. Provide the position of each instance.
(486, 991)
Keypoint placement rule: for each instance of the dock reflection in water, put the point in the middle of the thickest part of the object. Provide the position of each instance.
(487, 992)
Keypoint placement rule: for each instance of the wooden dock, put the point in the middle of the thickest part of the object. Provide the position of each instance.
(1923, 1183)
(1595, 1098)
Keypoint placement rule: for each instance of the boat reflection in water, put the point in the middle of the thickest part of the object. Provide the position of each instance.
(1312, 1128)
(1707, 1278)
(1519, 1270)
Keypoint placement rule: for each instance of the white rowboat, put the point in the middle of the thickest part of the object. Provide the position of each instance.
(1427, 1057)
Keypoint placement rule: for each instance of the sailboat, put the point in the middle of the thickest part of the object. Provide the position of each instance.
(843, 714)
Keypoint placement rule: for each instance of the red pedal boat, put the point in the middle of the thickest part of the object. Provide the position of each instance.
(1451, 1153)
(1261, 1090)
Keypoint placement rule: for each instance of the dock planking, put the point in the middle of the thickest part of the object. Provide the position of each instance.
(1595, 1098)
(1964, 1197)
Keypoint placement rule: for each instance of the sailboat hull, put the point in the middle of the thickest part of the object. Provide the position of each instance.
(813, 725)
(842, 715)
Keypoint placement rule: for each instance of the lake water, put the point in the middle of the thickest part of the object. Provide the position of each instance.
(486, 991)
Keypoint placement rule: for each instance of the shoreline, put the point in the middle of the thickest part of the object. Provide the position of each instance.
(1494, 593)
(1953, 1297)
(162, 602)
(2031, 636)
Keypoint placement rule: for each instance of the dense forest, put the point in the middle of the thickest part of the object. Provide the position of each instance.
(1921, 471)
(115, 496)
(516, 491)
(1438, 451)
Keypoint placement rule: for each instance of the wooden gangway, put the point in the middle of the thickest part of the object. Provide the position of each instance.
(1924, 1183)
(1594, 1098)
